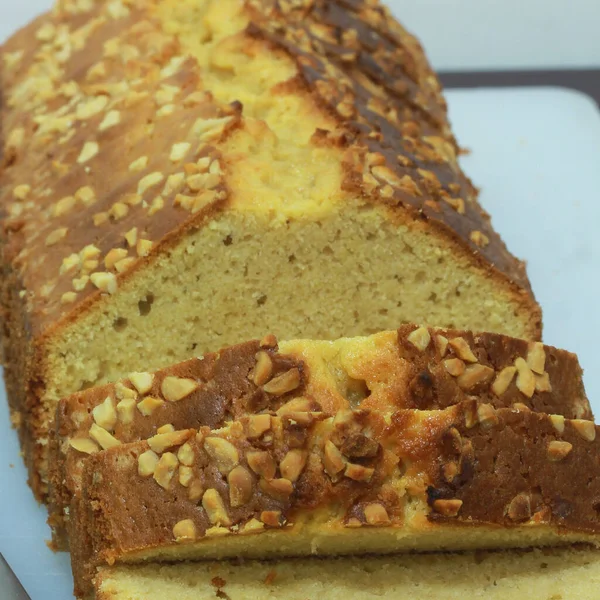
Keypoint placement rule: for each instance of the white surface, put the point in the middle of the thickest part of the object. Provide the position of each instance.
(536, 155)
(463, 34)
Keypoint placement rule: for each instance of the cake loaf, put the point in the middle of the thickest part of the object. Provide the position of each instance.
(181, 174)
(548, 574)
(413, 367)
(467, 477)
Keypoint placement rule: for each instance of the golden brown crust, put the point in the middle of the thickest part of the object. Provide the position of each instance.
(469, 465)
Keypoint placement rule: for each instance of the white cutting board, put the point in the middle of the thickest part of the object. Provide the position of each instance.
(536, 154)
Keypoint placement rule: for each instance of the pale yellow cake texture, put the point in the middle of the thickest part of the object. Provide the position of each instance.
(559, 574)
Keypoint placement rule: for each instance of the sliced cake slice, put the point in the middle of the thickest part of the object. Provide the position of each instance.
(414, 367)
(548, 574)
(466, 477)
(205, 391)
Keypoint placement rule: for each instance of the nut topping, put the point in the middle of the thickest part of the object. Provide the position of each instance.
(131, 237)
(114, 256)
(89, 150)
(168, 428)
(139, 164)
(536, 358)
(586, 429)
(333, 459)
(475, 375)
(105, 282)
(111, 119)
(284, 383)
(525, 378)
(344, 418)
(161, 441)
(471, 416)
(186, 455)
(293, 464)
(441, 345)
(295, 405)
(148, 405)
(450, 471)
(56, 236)
(185, 475)
(447, 508)
(272, 518)
(142, 381)
(557, 450)
(68, 298)
(105, 439)
(165, 469)
(269, 341)
(240, 486)
(262, 463)
(358, 472)
(215, 508)
(487, 416)
(125, 411)
(178, 151)
(263, 368)
(558, 422)
(519, 508)
(277, 488)
(420, 338)
(147, 462)
(503, 380)
(376, 514)
(149, 181)
(542, 383)
(462, 349)
(217, 531)
(258, 425)
(224, 453)
(122, 391)
(84, 445)
(105, 414)
(177, 388)
(454, 366)
(195, 490)
(184, 531)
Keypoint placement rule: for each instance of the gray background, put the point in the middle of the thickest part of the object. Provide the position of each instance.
(463, 34)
